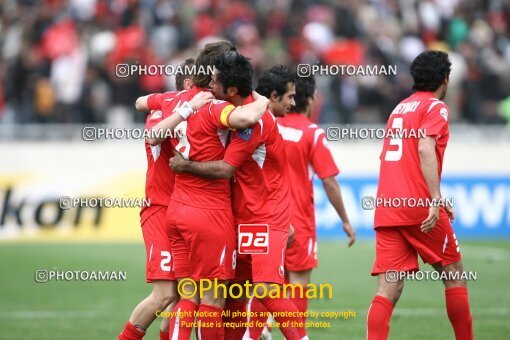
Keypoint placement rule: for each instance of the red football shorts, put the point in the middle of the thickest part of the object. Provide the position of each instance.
(158, 264)
(302, 253)
(203, 242)
(397, 248)
(267, 268)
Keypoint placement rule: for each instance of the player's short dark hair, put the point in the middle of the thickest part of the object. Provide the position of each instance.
(429, 69)
(275, 79)
(186, 66)
(235, 70)
(305, 88)
(208, 57)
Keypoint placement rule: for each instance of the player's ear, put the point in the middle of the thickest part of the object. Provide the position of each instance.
(188, 84)
(232, 91)
(274, 97)
(445, 81)
(310, 101)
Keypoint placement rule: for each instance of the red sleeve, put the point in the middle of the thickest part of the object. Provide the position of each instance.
(322, 161)
(154, 101)
(435, 120)
(167, 107)
(220, 112)
(243, 145)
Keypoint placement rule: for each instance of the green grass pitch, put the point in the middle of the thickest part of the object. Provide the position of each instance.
(98, 310)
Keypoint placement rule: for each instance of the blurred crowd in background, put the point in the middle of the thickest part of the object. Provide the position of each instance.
(58, 57)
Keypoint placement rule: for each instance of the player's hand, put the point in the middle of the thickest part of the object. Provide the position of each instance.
(259, 97)
(349, 231)
(450, 212)
(200, 99)
(431, 220)
(177, 162)
(291, 236)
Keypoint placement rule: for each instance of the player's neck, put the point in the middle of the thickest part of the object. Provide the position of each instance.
(438, 94)
(237, 100)
(304, 114)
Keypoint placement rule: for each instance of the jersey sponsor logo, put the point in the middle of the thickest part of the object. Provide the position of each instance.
(245, 134)
(253, 239)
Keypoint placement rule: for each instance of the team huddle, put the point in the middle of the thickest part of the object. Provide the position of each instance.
(243, 157)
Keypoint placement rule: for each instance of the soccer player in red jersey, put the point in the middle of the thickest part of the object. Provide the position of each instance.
(411, 168)
(158, 188)
(277, 83)
(308, 154)
(199, 216)
(261, 188)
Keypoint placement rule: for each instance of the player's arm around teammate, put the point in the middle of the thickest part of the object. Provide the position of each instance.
(241, 117)
(183, 112)
(211, 169)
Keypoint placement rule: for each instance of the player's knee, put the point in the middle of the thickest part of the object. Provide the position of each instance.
(261, 289)
(455, 269)
(212, 299)
(164, 293)
(391, 291)
(165, 298)
(300, 278)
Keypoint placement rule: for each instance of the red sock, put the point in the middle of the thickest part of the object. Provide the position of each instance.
(257, 322)
(236, 324)
(181, 324)
(457, 308)
(209, 323)
(131, 332)
(163, 335)
(301, 302)
(378, 318)
(291, 327)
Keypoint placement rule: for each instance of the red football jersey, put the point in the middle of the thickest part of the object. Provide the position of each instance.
(400, 175)
(307, 154)
(203, 138)
(261, 187)
(159, 181)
